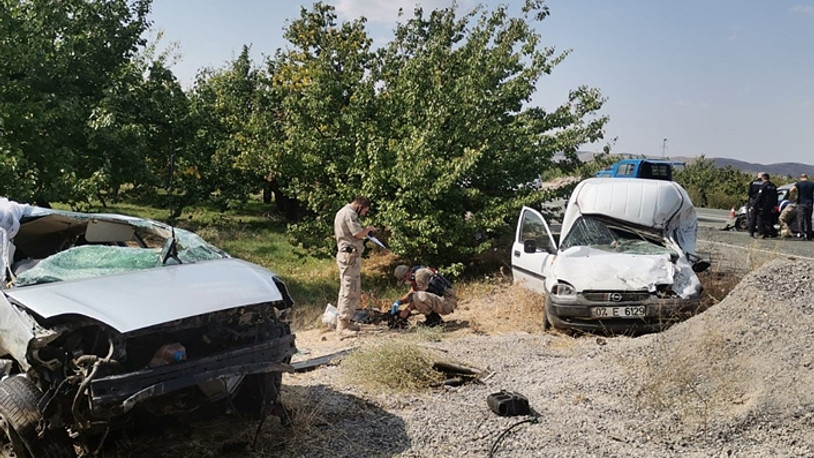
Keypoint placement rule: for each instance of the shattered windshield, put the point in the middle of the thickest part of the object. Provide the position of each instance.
(612, 236)
(99, 260)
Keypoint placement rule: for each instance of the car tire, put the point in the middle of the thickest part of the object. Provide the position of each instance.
(548, 319)
(258, 395)
(546, 323)
(20, 416)
(741, 224)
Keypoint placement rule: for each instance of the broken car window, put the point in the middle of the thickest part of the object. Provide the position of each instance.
(615, 238)
(534, 229)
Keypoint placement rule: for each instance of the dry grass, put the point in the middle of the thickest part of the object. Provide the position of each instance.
(758, 255)
(501, 307)
(395, 365)
(678, 377)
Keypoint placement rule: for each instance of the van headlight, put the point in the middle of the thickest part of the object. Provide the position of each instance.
(563, 289)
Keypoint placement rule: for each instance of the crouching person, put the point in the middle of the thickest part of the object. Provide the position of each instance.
(788, 211)
(430, 294)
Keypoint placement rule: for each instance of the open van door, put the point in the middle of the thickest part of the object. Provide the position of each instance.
(533, 249)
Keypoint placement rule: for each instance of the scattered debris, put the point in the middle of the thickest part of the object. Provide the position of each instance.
(456, 374)
(313, 363)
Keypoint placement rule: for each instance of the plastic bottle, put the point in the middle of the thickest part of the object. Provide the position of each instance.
(168, 353)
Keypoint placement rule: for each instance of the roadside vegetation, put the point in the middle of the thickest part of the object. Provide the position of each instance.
(436, 126)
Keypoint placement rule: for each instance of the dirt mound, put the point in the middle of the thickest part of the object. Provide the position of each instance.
(746, 363)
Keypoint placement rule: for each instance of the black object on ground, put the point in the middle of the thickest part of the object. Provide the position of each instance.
(508, 403)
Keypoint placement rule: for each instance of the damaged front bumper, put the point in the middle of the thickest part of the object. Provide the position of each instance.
(653, 314)
(115, 395)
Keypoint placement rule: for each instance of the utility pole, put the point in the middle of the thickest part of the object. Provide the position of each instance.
(663, 148)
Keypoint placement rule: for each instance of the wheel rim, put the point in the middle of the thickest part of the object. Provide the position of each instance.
(7, 440)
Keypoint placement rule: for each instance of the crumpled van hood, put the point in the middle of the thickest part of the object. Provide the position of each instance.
(587, 268)
(141, 299)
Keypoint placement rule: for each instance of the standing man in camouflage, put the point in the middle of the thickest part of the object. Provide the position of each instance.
(349, 243)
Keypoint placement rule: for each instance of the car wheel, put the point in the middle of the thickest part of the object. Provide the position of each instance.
(548, 320)
(741, 224)
(546, 324)
(258, 395)
(19, 419)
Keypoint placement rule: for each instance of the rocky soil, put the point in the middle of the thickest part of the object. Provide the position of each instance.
(734, 381)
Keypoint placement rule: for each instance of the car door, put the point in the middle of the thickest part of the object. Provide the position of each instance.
(532, 250)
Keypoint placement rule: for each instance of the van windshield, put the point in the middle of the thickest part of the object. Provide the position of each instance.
(613, 236)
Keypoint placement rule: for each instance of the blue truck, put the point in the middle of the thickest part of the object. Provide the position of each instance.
(655, 169)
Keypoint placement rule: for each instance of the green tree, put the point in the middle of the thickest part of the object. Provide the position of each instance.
(224, 105)
(435, 128)
(459, 141)
(713, 187)
(325, 118)
(59, 59)
(140, 123)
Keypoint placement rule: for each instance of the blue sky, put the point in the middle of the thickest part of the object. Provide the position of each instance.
(722, 78)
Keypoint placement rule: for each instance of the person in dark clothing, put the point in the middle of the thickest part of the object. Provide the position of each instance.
(805, 202)
(765, 203)
(751, 210)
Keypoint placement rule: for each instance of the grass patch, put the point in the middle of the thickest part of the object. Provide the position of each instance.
(395, 365)
(677, 377)
(497, 306)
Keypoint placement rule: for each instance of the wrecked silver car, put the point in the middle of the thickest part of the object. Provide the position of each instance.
(625, 262)
(102, 315)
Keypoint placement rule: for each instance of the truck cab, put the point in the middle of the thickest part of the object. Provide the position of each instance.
(641, 168)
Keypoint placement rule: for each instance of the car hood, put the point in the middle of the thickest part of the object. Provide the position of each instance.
(141, 299)
(587, 268)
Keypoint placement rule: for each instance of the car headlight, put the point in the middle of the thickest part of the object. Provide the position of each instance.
(563, 289)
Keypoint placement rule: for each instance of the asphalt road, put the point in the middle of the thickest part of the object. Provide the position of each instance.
(733, 250)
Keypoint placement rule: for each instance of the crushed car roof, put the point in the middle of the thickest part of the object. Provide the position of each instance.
(661, 205)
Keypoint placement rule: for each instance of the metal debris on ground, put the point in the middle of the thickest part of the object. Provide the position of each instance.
(456, 375)
(313, 363)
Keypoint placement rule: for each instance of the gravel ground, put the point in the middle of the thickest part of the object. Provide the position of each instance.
(734, 381)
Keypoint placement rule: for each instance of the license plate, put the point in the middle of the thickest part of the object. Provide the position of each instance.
(618, 312)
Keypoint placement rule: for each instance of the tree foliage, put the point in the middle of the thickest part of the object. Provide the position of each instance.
(713, 187)
(434, 127)
(437, 127)
(224, 107)
(60, 59)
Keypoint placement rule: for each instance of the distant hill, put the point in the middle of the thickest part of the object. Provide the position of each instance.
(782, 169)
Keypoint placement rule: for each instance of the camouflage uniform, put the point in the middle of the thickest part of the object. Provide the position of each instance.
(349, 260)
(426, 302)
(788, 211)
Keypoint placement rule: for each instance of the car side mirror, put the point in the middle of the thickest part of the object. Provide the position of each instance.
(530, 246)
(700, 266)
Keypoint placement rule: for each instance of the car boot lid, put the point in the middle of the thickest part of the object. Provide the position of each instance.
(141, 299)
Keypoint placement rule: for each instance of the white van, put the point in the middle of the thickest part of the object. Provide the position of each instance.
(625, 260)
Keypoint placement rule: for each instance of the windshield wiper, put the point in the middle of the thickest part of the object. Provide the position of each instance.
(170, 250)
